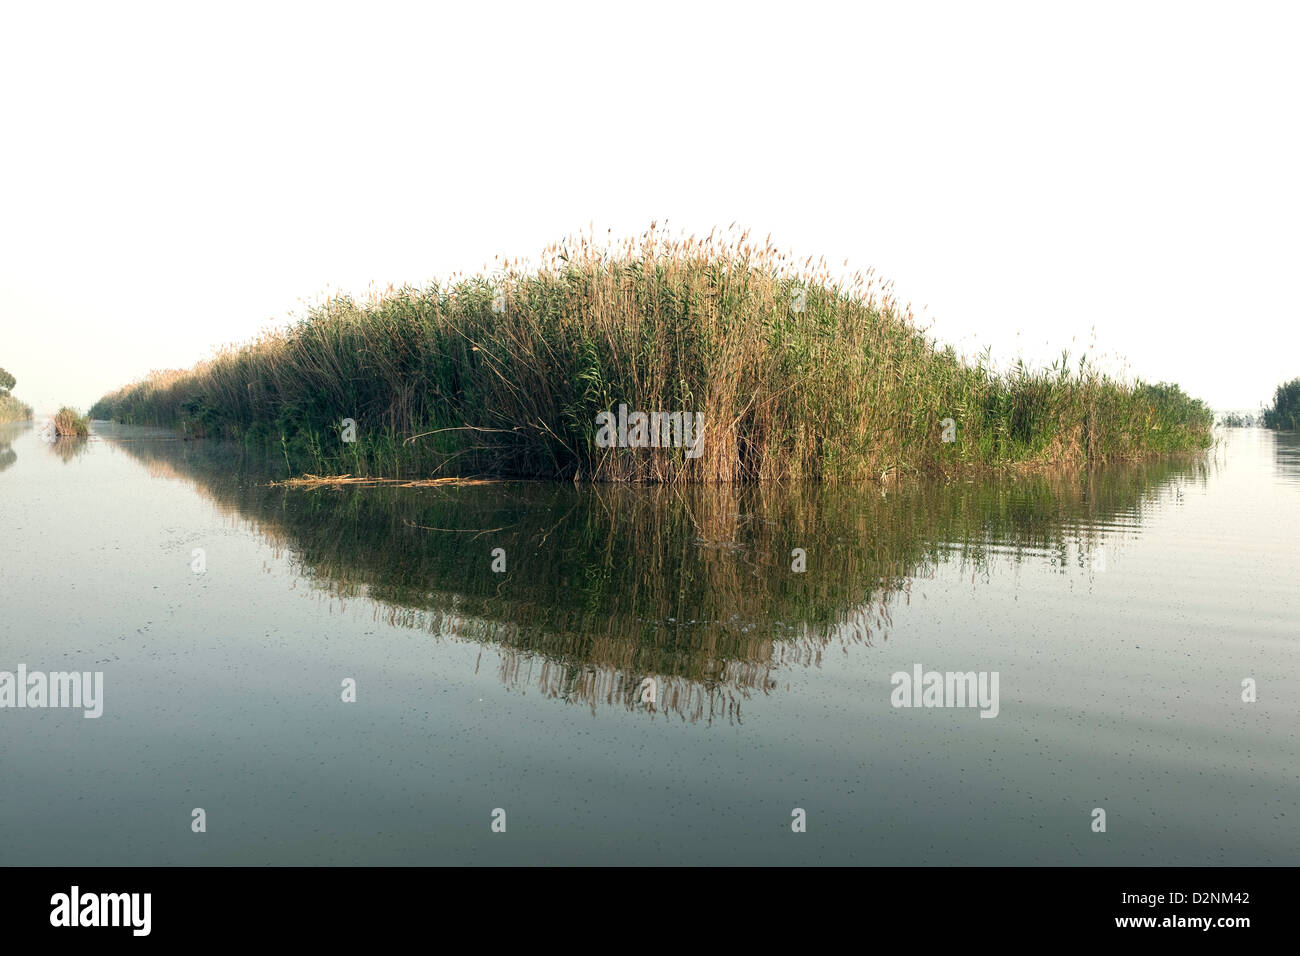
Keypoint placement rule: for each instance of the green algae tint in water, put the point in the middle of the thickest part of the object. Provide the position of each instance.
(1121, 609)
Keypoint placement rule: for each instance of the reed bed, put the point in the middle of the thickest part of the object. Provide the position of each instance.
(69, 423)
(796, 374)
(12, 410)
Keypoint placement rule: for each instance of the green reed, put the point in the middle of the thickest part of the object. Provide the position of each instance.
(797, 375)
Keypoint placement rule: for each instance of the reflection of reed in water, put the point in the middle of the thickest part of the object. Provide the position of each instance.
(1286, 456)
(7, 455)
(67, 448)
(690, 585)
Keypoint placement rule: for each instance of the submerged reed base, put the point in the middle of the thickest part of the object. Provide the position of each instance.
(321, 481)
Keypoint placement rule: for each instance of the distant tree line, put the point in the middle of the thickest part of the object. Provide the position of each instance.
(1238, 420)
(1285, 411)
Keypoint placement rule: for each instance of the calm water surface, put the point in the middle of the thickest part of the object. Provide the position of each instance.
(1122, 608)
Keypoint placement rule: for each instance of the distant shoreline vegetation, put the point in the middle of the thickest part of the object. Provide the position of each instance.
(1238, 420)
(795, 376)
(1284, 415)
(11, 409)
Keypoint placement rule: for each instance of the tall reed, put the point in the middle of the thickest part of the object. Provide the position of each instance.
(796, 374)
(70, 423)
(12, 410)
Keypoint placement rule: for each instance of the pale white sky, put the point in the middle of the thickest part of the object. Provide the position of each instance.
(175, 177)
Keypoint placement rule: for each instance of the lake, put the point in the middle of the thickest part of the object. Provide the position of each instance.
(649, 675)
